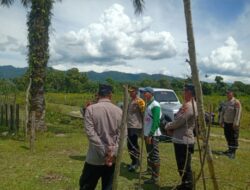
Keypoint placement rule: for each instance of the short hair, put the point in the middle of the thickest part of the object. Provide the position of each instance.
(104, 89)
(191, 88)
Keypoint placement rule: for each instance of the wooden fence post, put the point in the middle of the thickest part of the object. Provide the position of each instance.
(2, 112)
(122, 137)
(6, 115)
(12, 118)
(32, 131)
(17, 118)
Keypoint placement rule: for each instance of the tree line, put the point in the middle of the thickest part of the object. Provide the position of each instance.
(74, 81)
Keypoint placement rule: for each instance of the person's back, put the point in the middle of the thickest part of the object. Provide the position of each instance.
(106, 117)
(102, 123)
(185, 123)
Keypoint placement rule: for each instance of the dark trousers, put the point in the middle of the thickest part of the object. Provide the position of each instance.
(92, 173)
(153, 158)
(183, 158)
(133, 146)
(232, 136)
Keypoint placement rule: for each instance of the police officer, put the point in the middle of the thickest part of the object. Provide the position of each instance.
(134, 123)
(183, 137)
(102, 122)
(230, 120)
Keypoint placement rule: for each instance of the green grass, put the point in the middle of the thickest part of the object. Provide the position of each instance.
(59, 155)
(58, 160)
(55, 164)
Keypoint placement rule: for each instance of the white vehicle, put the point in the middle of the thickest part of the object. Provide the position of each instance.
(168, 100)
(170, 105)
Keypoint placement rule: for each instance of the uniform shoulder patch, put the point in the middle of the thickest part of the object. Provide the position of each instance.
(140, 102)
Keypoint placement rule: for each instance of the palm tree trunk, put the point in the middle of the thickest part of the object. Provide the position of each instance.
(198, 89)
(38, 38)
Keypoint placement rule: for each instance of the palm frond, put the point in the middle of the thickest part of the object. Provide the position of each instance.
(26, 3)
(139, 6)
(7, 2)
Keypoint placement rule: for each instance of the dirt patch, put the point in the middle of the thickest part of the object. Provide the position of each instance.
(52, 177)
(60, 135)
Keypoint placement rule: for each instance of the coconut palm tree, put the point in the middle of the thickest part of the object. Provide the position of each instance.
(139, 4)
(39, 19)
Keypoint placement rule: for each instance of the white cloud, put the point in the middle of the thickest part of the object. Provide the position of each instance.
(95, 35)
(7, 42)
(113, 40)
(98, 68)
(226, 60)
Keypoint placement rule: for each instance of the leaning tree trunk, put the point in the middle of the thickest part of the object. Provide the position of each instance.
(38, 38)
(198, 89)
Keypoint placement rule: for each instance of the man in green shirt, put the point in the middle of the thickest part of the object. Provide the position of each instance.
(151, 132)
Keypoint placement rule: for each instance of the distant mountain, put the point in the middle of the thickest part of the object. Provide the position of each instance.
(13, 72)
(122, 77)
(9, 71)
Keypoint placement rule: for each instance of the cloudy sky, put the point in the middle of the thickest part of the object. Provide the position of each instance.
(106, 35)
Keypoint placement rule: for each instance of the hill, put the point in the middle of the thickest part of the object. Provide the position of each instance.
(122, 77)
(8, 72)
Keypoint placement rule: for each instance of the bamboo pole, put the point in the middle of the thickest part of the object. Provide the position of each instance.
(198, 90)
(200, 153)
(141, 157)
(121, 141)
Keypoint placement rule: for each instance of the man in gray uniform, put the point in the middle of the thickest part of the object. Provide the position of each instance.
(230, 120)
(102, 123)
(134, 123)
(183, 137)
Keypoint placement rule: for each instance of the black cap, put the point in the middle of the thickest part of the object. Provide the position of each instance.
(190, 87)
(105, 89)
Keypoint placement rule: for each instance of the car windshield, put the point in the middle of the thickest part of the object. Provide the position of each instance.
(165, 96)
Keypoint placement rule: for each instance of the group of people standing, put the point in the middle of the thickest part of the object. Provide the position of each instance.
(102, 122)
(181, 130)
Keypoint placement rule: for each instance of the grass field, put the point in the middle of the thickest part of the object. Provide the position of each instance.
(59, 155)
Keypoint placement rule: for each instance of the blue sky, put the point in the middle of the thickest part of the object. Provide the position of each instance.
(106, 35)
(223, 10)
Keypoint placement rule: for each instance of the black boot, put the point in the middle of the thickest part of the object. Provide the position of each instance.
(231, 154)
(134, 165)
(226, 152)
(185, 186)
